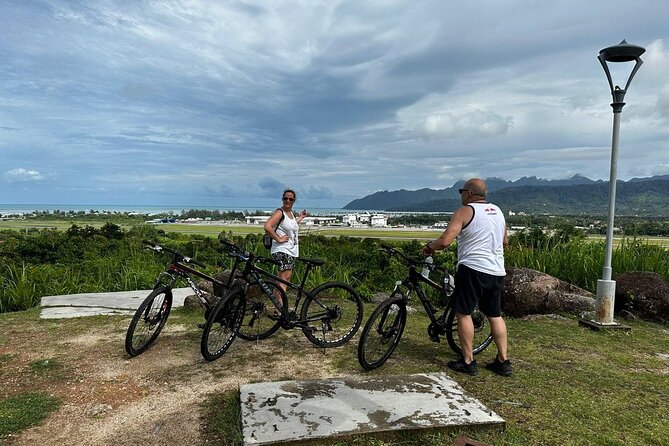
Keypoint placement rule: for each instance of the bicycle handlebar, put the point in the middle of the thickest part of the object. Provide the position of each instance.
(158, 248)
(408, 260)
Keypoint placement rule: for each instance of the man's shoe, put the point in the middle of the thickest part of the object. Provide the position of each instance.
(501, 368)
(461, 366)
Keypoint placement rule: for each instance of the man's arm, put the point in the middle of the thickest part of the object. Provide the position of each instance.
(460, 218)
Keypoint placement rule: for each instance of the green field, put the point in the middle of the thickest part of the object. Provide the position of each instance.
(214, 229)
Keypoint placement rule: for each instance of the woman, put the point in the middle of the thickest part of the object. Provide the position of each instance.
(283, 231)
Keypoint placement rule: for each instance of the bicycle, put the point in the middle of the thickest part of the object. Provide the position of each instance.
(150, 317)
(329, 316)
(384, 329)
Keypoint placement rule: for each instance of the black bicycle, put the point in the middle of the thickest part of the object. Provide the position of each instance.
(383, 330)
(255, 309)
(150, 317)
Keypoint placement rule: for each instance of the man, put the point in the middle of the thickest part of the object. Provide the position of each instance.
(480, 229)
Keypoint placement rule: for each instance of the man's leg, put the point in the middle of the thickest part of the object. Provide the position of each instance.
(466, 336)
(499, 335)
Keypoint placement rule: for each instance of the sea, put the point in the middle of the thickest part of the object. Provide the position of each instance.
(23, 209)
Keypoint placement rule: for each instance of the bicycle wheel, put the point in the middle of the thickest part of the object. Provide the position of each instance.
(382, 332)
(148, 320)
(222, 325)
(332, 314)
(482, 334)
(258, 322)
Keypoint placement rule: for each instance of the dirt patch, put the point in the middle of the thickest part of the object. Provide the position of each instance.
(153, 399)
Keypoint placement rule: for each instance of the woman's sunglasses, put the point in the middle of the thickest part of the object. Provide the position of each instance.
(287, 199)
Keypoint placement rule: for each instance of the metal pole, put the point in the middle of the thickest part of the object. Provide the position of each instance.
(606, 288)
(606, 274)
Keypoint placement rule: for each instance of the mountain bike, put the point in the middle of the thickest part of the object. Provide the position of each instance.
(257, 307)
(150, 317)
(384, 329)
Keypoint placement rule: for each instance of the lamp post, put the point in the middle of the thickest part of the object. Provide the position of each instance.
(606, 288)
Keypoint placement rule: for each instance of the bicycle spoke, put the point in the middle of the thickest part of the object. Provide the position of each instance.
(148, 321)
(332, 314)
(258, 322)
(382, 333)
(222, 325)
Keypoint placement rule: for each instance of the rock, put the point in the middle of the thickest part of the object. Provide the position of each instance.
(527, 291)
(95, 410)
(213, 291)
(643, 294)
(192, 302)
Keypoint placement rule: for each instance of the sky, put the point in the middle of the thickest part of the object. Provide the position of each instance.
(226, 103)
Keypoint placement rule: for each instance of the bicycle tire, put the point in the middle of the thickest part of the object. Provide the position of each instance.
(222, 325)
(482, 335)
(148, 321)
(332, 314)
(257, 323)
(382, 332)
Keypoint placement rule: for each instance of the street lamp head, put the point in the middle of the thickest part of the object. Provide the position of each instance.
(623, 52)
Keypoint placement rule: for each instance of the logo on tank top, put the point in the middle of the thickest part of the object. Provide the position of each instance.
(490, 211)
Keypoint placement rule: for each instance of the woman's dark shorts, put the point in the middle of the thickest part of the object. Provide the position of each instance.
(473, 286)
(285, 261)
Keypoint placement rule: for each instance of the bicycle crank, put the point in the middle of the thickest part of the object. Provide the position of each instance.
(436, 329)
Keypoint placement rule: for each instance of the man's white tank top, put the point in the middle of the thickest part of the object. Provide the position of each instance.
(481, 242)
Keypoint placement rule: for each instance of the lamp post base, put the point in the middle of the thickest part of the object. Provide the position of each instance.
(598, 326)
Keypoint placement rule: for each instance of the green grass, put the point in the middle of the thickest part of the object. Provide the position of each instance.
(223, 416)
(24, 410)
(46, 366)
(571, 385)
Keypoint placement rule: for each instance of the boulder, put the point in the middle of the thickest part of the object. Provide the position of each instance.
(527, 291)
(642, 294)
(213, 292)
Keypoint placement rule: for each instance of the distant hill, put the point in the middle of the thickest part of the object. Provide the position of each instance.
(576, 195)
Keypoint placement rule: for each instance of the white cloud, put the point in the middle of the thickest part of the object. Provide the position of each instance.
(338, 99)
(20, 175)
(478, 123)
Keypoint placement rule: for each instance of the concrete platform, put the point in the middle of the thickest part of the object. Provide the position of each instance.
(274, 412)
(93, 304)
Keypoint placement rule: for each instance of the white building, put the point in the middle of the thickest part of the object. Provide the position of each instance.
(378, 221)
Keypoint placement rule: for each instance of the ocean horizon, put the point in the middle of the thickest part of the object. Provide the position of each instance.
(22, 209)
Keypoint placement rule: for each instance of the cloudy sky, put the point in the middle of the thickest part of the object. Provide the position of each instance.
(223, 103)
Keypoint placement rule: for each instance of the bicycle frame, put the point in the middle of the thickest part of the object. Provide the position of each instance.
(175, 270)
(412, 283)
(257, 275)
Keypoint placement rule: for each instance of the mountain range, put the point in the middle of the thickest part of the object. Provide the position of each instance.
(576, 195)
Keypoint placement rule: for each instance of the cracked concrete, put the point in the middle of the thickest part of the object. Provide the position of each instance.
(282, 411)
(93, 304)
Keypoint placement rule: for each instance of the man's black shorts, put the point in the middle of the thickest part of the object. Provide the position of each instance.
(472, 286)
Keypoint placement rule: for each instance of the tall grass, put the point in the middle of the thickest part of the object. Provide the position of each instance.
(580, 262)
(18, 290)
(42, 263)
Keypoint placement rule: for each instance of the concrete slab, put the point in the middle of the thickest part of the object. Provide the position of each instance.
(91, 304)
(274, 412)
(68, 312)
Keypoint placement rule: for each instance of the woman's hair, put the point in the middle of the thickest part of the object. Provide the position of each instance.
(289, 190)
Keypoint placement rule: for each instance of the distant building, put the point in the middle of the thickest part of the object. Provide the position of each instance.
(365, 219)
(378, 221)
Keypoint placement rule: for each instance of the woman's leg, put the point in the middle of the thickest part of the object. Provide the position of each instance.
(286, 275)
